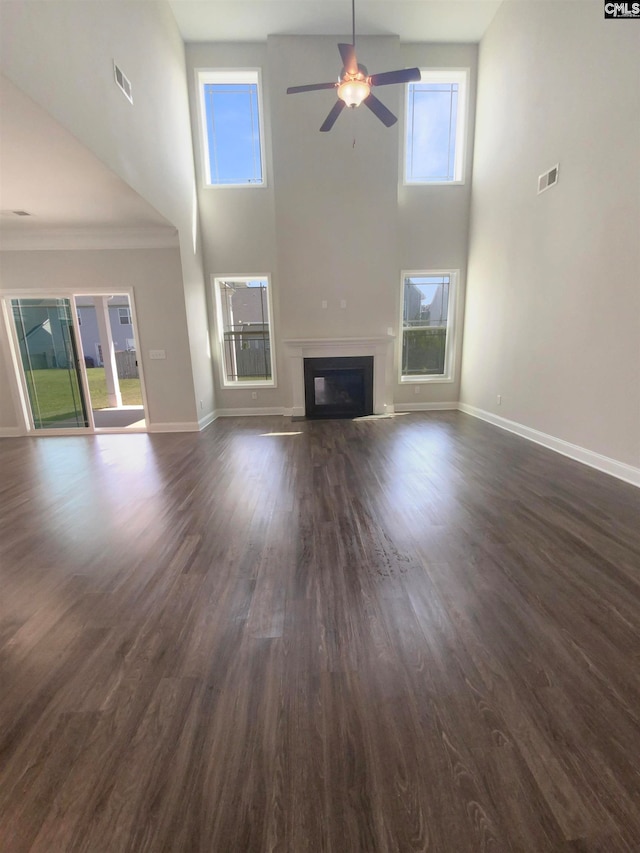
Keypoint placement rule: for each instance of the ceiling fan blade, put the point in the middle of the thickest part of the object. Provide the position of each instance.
(312, 87)
(378, 109)
(333, 115)
(405, 75)
(348, 56)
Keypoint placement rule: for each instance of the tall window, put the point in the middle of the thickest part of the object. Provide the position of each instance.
(427, 323)
(230, 115)
(435, 131)
(244, 328)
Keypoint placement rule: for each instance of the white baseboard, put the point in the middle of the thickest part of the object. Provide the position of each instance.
(241, 413)
(10, 432)
(186, 426)
(205, 420)
(621, 470)
(425, 407)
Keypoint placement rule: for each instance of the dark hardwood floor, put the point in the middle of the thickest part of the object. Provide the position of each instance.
(410, 634)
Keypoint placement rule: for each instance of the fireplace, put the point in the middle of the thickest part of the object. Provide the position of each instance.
(338, 387)
(380, 349)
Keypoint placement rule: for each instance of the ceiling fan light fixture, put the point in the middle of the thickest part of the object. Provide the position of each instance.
(353, 92)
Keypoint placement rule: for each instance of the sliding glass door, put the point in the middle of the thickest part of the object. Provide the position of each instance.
(51, 363)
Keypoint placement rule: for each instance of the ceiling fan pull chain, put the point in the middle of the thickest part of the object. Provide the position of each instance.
(353, 22)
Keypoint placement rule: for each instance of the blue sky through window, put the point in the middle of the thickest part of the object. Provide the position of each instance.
(233, 133)
(431, 131)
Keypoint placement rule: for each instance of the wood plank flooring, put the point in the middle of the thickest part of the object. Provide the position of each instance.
(409, 634)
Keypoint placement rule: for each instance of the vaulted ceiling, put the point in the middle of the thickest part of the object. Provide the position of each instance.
(46, 172)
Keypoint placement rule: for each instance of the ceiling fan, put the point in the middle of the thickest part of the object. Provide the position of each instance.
(354, 84)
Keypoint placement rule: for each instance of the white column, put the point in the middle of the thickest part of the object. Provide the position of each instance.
(108, 351)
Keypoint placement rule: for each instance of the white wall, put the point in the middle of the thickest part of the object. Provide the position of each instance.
(553, 300)
(334, 223)
(61, 54)
(149, 272)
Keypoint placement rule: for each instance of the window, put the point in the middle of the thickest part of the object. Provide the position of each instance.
(435, 132)
(231, 128)
(243, 307)
(427, 323)
(125, 316)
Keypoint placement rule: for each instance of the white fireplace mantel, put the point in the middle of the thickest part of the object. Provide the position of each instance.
(381, 348)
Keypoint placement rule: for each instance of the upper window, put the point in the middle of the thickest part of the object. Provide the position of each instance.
(435, 133)
(427, 325)
(230, 116)
(125, 316)
(243, 307)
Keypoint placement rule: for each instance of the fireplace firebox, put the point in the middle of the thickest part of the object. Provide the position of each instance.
(338, 387)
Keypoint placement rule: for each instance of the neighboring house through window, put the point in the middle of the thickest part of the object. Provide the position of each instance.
(231, 127)
(428, 326)
(125, 316)
(243, 309)
(436, 127)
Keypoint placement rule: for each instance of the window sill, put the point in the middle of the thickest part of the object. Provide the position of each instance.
(433, 183)
(425, 380)
(241, 386)
(249, 186)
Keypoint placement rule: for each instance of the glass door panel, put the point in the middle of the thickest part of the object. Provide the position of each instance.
(50, 360)
(111, 360)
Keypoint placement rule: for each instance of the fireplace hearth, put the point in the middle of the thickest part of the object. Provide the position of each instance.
(338, 387)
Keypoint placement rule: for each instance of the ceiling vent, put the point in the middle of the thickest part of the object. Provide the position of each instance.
(123, 82)
(14, 213)
(548, 179)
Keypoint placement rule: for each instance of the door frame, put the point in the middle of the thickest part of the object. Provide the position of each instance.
(18, 380)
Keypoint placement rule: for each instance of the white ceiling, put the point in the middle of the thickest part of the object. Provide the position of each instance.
(412, 20)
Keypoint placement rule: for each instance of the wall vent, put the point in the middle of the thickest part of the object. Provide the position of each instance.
(123, 82)
(14, 213)
(548, 179)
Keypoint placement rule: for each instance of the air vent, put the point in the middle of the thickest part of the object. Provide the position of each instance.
(123, 82)
(548, 179)
(14, 213)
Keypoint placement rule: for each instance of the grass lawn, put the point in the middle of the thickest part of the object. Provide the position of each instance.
(129, 389)
(56, 396)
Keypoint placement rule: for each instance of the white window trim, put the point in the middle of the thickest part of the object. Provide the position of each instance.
(443, 75)
(227, 75)
(224, 382)
(452, 329)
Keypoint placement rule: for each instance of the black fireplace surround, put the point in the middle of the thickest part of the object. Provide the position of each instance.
(338, 387)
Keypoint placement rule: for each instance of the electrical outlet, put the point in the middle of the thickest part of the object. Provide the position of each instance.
(254, 395)
(324, 303)
(416, 389)
(202, 404)
(343, 303)
(499, 399)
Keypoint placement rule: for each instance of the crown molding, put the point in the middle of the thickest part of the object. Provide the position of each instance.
(65, 239)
